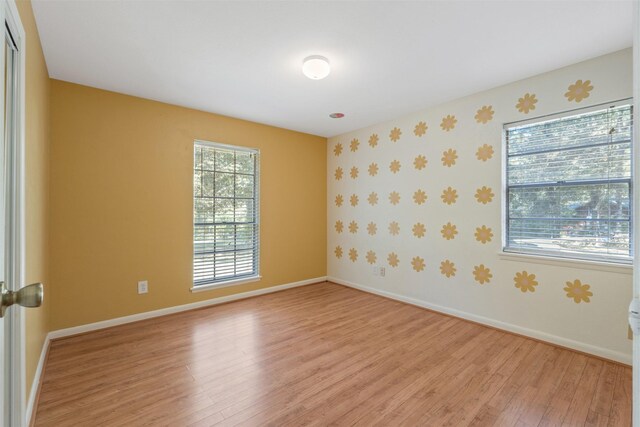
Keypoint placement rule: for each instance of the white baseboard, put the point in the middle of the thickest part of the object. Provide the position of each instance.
(169, 310)
(37, 377)
(542, 336)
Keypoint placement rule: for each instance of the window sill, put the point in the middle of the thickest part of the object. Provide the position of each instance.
(226, 284)
(566, 262)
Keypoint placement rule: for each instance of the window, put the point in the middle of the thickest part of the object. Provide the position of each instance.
(569, 180)
(225, 214)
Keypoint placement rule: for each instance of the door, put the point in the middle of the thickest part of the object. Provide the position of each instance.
(12, 90)
(10, 318)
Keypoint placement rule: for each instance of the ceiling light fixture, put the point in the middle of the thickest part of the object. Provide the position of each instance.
(316, 67)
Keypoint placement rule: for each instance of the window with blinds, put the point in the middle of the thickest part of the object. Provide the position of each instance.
(569, 181)
(225, 213)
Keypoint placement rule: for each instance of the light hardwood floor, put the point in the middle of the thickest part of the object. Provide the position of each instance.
(324, 354)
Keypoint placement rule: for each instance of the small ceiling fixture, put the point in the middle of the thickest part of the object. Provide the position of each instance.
(336, 115)
(316, 67)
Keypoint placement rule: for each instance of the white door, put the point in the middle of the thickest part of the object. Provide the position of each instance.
(12, 90)
(7, 147)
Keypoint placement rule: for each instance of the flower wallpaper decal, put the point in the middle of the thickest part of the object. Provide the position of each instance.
(484, 195)
(449, 157)
(485, 152)
(449, 231)
(393, 259)
(449, 195)
(579, 90)
(338, 252)
(423, 196)
(578, 292)
(418, 264)
(527, 103)
(354, 172)
(420, 129)
(525, 282)
(448, 123)
(420, 162)
(394, 166)
(419, 230)
(419, 197)
(394, 198)
(373, 140)
(482, 274)
(484, 114)
(483, 234)
(447, 268)
(372, 228)
(394, 135)
(394, 228)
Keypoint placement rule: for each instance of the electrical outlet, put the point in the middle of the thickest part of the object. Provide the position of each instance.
(376, 270)
(382, 271)
(143, 287)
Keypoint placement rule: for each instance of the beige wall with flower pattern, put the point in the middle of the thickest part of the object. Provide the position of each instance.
(421, 197)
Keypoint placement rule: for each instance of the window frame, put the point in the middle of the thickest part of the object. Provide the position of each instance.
(236, 279)
(555, 256)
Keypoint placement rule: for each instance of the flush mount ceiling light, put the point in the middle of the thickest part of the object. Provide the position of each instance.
(316, 67)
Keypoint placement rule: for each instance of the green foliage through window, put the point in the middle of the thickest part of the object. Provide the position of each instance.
(225, 220)
(569, 185)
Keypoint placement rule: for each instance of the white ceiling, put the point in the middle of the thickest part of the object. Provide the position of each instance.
(243, 59)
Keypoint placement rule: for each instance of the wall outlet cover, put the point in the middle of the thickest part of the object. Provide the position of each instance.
(143, 287)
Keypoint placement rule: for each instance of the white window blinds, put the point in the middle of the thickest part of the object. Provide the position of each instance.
(225, 215)
(569, 185)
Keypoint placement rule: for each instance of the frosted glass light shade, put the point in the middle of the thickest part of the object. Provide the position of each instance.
(316, 67)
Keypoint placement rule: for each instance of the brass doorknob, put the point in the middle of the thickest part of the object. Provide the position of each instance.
(29, 296)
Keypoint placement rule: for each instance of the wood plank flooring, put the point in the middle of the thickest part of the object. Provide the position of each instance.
(324, 354)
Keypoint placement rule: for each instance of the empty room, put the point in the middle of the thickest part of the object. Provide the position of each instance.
(296, 213)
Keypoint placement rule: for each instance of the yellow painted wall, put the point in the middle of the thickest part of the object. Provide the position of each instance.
(121, 202)
(37, 186)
